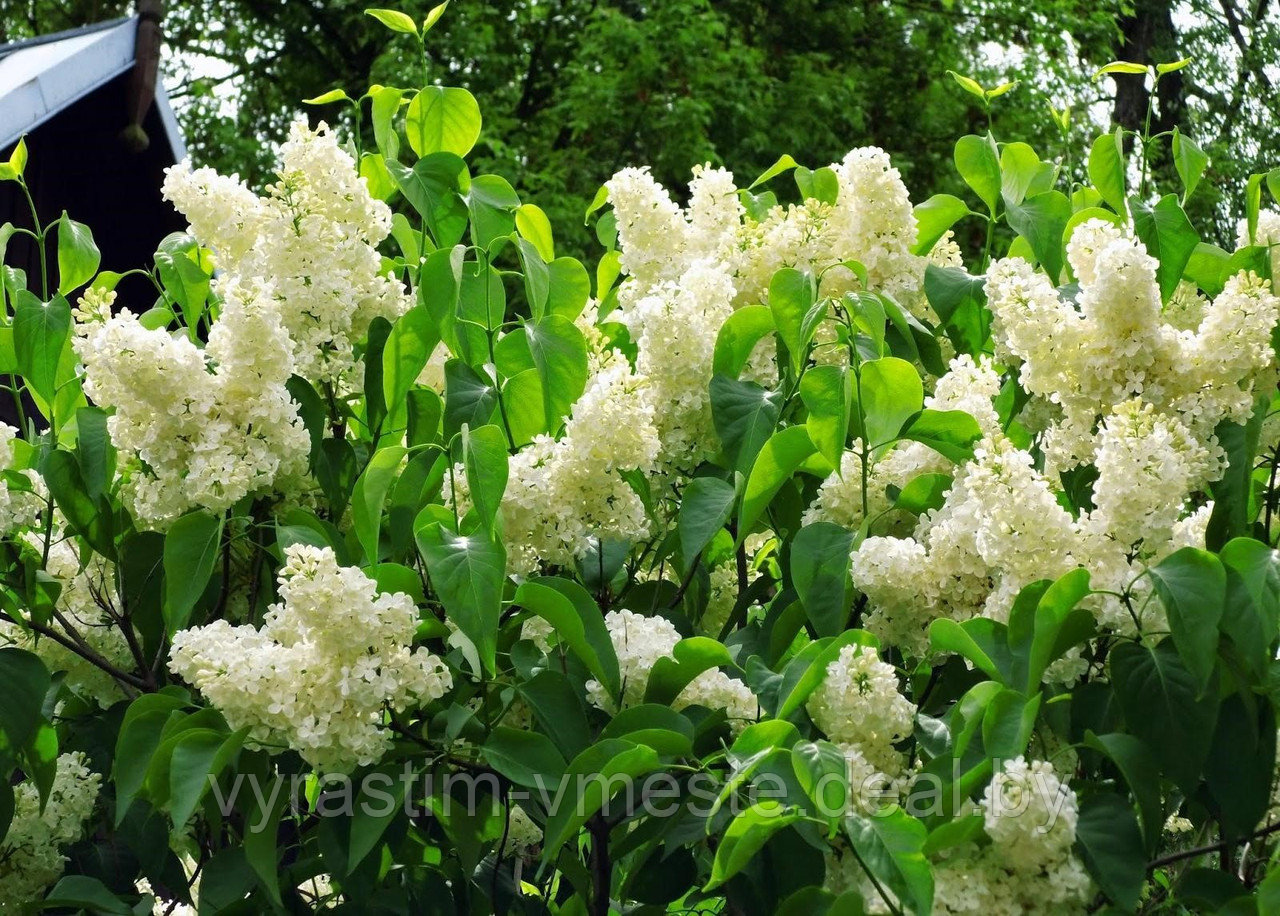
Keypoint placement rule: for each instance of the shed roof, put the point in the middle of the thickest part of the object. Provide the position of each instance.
(41, 76)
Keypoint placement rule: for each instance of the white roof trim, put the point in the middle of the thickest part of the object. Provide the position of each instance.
(39, 81)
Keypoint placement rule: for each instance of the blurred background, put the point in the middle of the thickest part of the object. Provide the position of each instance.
(572, 90)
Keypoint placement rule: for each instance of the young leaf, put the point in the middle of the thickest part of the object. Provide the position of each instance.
(443, 119)
(190, 553)
(394, 20)
(78, 255)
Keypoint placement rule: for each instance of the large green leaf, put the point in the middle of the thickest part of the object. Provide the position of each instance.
(745, 416)
(1108, 834)
(820, 573)
(792, 297)
(978, 162)
(890, 846)
(934, 217)
(26, 682)
(467, 573)
(1041, 219)
(785, 451)
(705, 507)
(827, 392)
(40, 332)
(951, 433)
(78, 255)
(1139, 770)
(406, 351)
(469, 399)
(738, 337)
(369, 496)
(593, 776)
(746, 835)
(525, 757)
(1106, 170)
(559, 353)
(443, 119)
(433, 188)
(1169, 236)
(190, 553)
(887, 392)
(1164, 708)
(484, 456)
(1192, 586)
(578, 622)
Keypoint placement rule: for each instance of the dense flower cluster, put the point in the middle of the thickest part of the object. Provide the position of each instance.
(20, 496)
(313, 236)
(640, 642)
(330, 657)
(32, 852)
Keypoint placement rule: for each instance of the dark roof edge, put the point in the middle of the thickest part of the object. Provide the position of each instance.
(20, 44)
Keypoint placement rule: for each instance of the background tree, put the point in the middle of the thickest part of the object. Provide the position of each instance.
(575, 89)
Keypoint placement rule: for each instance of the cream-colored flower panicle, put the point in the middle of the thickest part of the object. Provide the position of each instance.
(316, 678)
(313, 236)
(32, 853)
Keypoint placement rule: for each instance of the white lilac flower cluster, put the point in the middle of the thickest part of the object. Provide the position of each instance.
(858, 706)
(31, 853)
(318, 675)
(1125, 390)
(85, 604)
(21, 490)
(312, 239)
(195, 428)
(1029, 816)
(640, 642)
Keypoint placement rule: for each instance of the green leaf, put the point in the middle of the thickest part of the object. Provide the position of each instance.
(408, 347)
(934, 217)
(62, 475)
(1192, 586)
(705, 507)
(1041, 219)
(746, 835)
(672, 674)
(1190, 161)
(492, 202)
(792, 294)
(745, 416)
(595, 773)
(328, 98)
(40, 333)
(1121, 66)
(198, 757)
(784, 164)
(369, 495)
(485, 459)
(982, 641)
(139, 737)
(525, 757)
(433, 16)
(969, 85)
(26, 681)
(1163, 707)
(654, 725)
(1162, 69)
(433, 188)
(890, 846)
(533, 226)
(820, 574)
(190, 553)
(1106, 170)
(738, 338)
(959, 300)
(1023, 174)
(924, 493)
(468, 399)
(1169, 237)
(978, 162)
(17, 164)
(78, 255)
(780, 457)
(887, 393)
(81, 892)
(559, 354)
(827, 392)
(443, 119)
(578, 622)
(467, 573)
(1108, 835)
(1139, 770)
(395, 20)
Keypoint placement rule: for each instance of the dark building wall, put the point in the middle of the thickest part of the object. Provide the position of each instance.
(79, 163)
